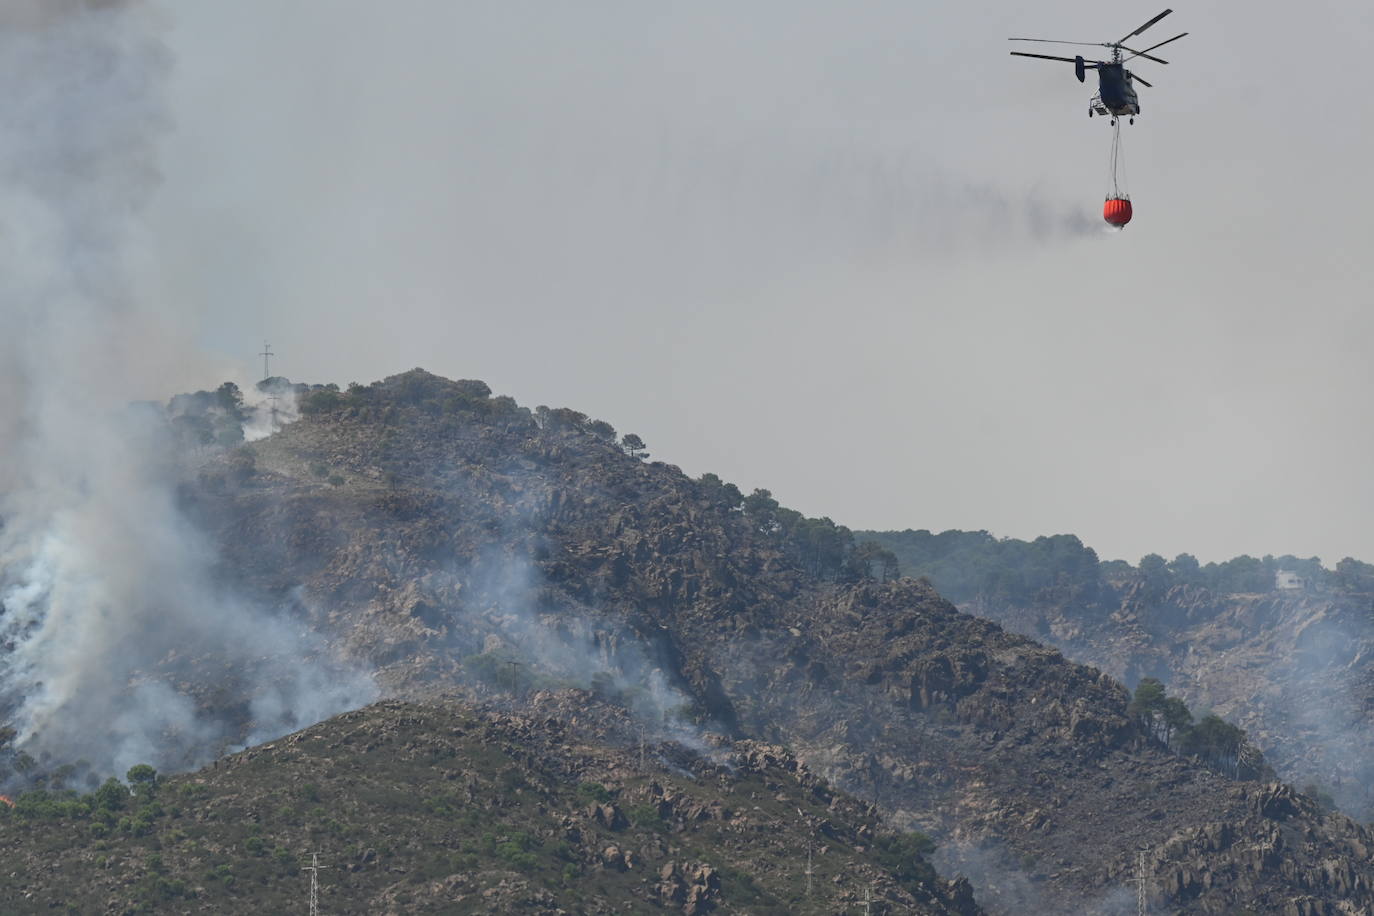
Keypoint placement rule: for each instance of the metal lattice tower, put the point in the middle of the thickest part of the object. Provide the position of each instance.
(809, 870)
(314, 869)
(266, 355)
(1140, 904)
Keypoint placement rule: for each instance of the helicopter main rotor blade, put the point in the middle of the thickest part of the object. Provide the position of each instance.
(1141, 81)
(1045, 57)
(1160, 45)
(1051, 41)
(1135, 54)
(1146, 26)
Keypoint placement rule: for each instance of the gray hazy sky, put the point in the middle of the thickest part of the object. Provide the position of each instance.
(850, 252)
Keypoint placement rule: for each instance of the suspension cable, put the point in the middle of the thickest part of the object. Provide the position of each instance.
(1117, 165)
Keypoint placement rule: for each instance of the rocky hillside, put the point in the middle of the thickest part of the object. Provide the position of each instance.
(448, 540)
(1296, 671)
(450, 808)
(1293, 666)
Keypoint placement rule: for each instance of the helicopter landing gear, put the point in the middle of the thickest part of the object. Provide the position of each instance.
(1132, 120)
(1090, 112)
(1113, 122)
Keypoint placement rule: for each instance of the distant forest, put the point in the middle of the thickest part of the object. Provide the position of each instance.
(972, 565)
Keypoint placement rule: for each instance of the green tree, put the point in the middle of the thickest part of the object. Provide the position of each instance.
(1148, 703)
(762, 511)
(1215, 740)
(634, 446)
(321, 400)
(142, 780)
(725, 493)
(1154, 572)
(1354, 576)
(602, 430)
(1185, 568)
(1176, 718)
(111, 796)
(230, 398)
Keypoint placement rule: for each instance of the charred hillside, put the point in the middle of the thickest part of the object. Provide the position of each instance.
(450, 540)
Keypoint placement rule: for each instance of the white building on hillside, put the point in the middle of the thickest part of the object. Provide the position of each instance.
(1286, 581)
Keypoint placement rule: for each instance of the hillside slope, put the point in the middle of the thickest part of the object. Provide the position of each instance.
(447, 540)
(1293, 667)
(450, 808)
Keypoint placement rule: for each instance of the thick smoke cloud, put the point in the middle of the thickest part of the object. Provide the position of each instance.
(108, 608)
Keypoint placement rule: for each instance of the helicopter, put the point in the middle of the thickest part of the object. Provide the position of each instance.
(1116, 95)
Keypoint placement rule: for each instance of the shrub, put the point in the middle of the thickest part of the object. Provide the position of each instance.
(645, 815)
(517, 850)
(594, 792)
(285, 858)
(904, 854)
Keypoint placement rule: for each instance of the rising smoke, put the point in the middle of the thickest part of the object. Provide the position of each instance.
(510, 613)
(117, 646)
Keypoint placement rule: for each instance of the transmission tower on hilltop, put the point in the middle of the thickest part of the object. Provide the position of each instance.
(266, 355)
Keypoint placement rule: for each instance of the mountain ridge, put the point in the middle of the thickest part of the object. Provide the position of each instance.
(444, 539)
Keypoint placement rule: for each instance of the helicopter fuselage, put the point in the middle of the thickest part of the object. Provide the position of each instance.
(1115, 94)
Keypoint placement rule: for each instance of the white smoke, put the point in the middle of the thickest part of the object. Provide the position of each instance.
(109, 613)
(569, 646)
(267, 409)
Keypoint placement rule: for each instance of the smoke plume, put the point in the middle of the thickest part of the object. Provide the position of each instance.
(109, 613)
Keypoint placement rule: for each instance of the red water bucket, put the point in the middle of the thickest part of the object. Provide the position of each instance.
(1117, 211)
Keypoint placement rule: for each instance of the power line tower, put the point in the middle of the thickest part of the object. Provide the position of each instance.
(274, 399)
(314, 869)
(809, 871)
(266, 355)
(1141, 906)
